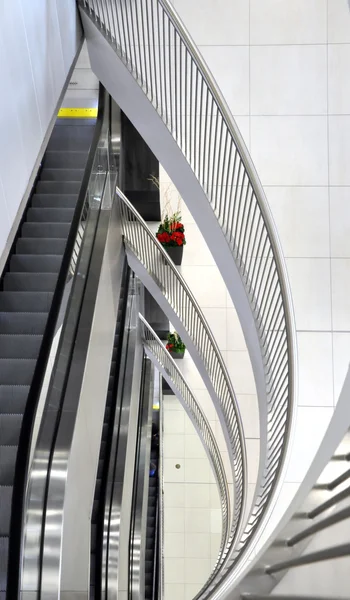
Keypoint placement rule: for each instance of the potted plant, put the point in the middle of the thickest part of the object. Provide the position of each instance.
(175, 345)
(171, 234)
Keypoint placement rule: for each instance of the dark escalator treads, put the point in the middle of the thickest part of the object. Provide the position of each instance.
(5, 512)
(33, 263)
(10, 427)
(44, 230)
(25, 301)
(13, 398)
(61, 174)
(20, 346)
(30, 282)
(54, 200)
(8, 455)
(26, 296)
(50, 215)
(65, 159)
(23, 323)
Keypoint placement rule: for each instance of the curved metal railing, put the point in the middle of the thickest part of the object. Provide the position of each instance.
(314, 531)
(166, 364)
(143, 243)
(153, 44)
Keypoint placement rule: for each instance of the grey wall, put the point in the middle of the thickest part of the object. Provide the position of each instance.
(38, 42)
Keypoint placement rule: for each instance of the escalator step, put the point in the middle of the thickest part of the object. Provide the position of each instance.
(64, 159)
(41, 246)
(148, 592)
(152, 500)
(25, 301)
(151, 522)
(149, 555)
(16, 371)
(5, 512)
(51, 215)
(54, 200)
(61, 174)
(8, 455)
(20, 346)
(58, 187)
(149, 575)
(33, 263)
(13, 398)
(70, 137)
(10, 428)
(30, 282)
(45, 230)
(4, 550)
(20, 323)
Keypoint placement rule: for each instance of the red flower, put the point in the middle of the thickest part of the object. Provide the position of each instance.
(176, 225)
(178, 237)
(169, 346)
(163, 238)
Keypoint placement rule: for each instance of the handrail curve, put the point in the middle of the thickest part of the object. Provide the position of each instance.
(169, 369)
(142, 242)
(153, 44)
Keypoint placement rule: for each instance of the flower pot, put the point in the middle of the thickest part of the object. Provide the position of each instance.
(177, 355)
(175, 253)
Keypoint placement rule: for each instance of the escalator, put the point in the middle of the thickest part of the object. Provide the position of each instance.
(61, 260)
(97, 519)
(30, 293)
(152, 514)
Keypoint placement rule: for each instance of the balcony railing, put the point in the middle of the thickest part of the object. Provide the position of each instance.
(167, 366)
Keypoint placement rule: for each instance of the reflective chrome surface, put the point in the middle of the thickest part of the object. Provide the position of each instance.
(156, 50)
(313, 531)
(118, 509)
(141, 242)
(141, 483)
(37, 484)
(170, 371)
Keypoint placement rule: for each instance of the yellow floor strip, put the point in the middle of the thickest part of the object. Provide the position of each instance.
(77, 113)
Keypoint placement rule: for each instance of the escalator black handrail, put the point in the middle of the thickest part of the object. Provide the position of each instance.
(103, 490)
(24, 445)
(156, 549)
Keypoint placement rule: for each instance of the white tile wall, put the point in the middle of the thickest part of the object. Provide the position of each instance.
(280, 22)
(296, 152)
(288, 80)
(298, 130)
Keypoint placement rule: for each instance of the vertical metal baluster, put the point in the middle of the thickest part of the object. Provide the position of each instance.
(176, 92)
(225, 169)
(218, 160)
(191, 108)
(150, 69)
(210, 144)
(125, 27)
(196, 141)
(143, 80)
(206, 142)
(234, 205)
(133, 45)
(246, 206)
(180, 97)
(165, 70)
(108, 22)
(170, 73)
(156, 77)
(160, 64)
(120, 30)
